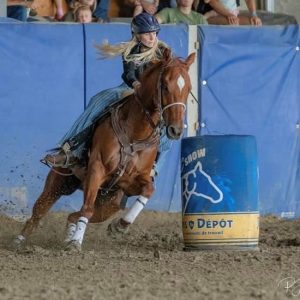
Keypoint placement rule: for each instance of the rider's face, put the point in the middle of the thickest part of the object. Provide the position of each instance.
(148, 39)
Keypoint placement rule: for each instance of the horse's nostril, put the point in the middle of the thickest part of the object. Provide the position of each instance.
(174, 132)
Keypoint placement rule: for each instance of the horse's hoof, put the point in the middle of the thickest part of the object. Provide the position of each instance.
(116, 230)
(73, 246)
(18, 242)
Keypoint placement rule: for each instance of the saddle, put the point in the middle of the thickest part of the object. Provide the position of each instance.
(128, 147)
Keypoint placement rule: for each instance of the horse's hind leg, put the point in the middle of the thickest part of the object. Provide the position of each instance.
(55, 186)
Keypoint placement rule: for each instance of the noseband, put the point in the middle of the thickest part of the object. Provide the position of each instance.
(173, 104)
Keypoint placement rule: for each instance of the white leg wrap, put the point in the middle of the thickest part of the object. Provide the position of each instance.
(19, 239)
(80, 230)
(135, 209)
(70, 232)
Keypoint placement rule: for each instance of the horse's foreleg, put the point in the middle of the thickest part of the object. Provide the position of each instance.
(53, 190)
(95, 178)
(102, 211)
(71, 226)
(145, 192)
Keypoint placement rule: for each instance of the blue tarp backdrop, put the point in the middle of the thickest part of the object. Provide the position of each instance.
(248, 84)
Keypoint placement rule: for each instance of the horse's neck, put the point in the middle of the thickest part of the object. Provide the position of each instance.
(149, 91)
(140, 105)
(138, 126)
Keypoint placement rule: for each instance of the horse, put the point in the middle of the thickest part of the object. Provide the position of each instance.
(122, 152)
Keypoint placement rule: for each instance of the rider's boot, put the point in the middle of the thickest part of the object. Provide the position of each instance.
(64, 158)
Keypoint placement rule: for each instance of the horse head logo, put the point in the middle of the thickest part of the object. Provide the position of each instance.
(198, 183)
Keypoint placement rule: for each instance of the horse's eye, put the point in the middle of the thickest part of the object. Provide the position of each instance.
(165, 88)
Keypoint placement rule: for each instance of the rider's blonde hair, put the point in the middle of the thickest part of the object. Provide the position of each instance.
(107, 50)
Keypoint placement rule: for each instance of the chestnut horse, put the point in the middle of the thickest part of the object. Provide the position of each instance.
(122, 153)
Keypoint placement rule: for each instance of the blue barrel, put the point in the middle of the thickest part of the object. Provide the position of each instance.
(219, 177)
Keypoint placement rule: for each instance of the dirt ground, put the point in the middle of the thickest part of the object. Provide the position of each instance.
(148, 263)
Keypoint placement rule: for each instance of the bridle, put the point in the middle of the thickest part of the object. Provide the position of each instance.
(158, 104)
(173, 104)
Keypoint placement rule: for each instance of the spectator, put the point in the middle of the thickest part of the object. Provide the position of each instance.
(70, 16)
(226, 12)
(17, 10)
(166, 3)
(101, 11)
(182, 13)
(59, 10)
(56, 5)
(148, 6)
(83, 14)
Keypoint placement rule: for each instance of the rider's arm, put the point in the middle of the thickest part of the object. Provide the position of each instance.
(129, 73)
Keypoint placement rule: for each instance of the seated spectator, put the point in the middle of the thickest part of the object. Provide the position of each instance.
(17, 12)
(49, 9)
(226, 12)
(183, 13)
(101, 11)
(83, 14)
(70, 16)
(17, 9)
(166, 3)
(148, 6)
(59, 10)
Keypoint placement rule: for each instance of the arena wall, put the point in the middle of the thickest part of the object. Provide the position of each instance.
(48, 72)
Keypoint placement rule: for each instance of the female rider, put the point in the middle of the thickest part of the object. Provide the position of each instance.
(137, 53)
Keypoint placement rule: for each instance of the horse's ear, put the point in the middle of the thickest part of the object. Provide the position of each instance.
(190, 59)
(167, 55)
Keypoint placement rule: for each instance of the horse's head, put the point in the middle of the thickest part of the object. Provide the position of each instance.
(165, 88)
(174, 87)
